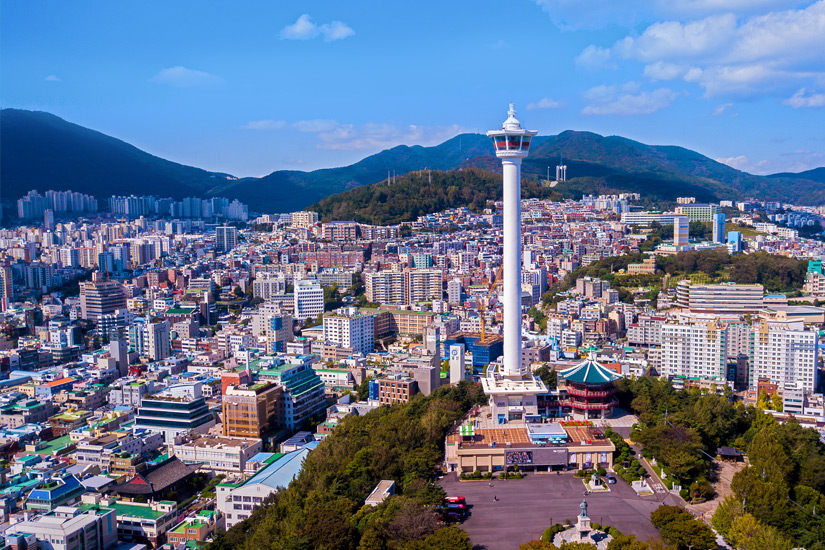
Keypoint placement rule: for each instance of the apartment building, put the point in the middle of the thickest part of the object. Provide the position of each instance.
(385, 287)
(695, 348)
(99, 297)
(308, 299)
(785, 353)
(226, 238)
(339, 230)
(349, 328)
(304, 219)
(267, 285)
(646, 331)
(422, 285)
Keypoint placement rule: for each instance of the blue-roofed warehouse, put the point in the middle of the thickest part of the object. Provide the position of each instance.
(237, 500)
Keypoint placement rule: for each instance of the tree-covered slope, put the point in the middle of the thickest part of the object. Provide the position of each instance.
(419, 193)
(324, 506)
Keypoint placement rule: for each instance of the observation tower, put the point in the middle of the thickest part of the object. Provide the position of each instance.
(511, 388)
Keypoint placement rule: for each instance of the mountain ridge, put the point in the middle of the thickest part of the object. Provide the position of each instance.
(42, 151)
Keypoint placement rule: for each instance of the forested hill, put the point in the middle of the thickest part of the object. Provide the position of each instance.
(324, 508)
(419, 193)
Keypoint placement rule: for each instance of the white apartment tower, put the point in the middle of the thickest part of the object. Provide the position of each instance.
(694, 348)
(308, 299)
(786, 353)
(348, 328)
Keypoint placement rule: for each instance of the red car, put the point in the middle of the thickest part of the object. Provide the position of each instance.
(456, 500)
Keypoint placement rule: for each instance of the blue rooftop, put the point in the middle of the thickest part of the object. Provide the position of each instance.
(281, 472)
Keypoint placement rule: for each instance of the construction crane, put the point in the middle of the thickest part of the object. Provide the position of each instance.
(482, 308)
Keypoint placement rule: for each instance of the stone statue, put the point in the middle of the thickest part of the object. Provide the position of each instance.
(583, 506)
(594, 480)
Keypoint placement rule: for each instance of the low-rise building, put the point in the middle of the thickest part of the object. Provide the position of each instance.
(218, 453)
(236, 499)
(66, 528)
(194, 529)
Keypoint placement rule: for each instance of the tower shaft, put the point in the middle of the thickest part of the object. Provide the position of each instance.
(512, 266)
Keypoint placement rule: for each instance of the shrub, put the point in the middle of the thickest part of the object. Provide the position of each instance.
(602, 471)
(550, 532)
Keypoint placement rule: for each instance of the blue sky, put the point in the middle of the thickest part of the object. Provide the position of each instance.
(251, 87)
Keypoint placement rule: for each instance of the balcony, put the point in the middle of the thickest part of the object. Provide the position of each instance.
(578, 392)
(588, 406)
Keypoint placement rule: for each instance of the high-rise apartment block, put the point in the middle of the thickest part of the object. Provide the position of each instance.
(226, 238)
(99, 297)
(349, 328)
(719, 228)
(308, 296)
(681, 231)
(304, 219)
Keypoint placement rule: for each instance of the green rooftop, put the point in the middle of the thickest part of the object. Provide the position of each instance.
(55, 445)
(135, 510)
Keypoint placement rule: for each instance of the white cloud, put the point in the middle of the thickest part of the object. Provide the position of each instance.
(302, 29)
(315, 125)
(739, 162)
(721, 109)
(802, 99)
(594, 57)
(730, 55)
(264, 124)
(373, 136)
(181, 76)
(336, 31)
(305, 29)
(52, 78)
(598, 14)
(626, 100)
(544, 103)
(664, 71)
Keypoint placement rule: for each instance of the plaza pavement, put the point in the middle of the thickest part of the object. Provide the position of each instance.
(525, 507)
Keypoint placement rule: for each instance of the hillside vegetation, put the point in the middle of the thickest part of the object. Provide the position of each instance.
(777, 498)
(776, 273)
(323, 509)
(415, 195)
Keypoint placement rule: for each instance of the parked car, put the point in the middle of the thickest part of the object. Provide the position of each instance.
(611, 478)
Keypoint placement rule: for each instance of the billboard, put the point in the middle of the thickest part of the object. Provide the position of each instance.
(518, 457)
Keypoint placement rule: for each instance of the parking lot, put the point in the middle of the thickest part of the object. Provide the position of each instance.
(526, 507)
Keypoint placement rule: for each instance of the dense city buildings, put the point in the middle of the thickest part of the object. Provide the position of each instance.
(178, 340)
